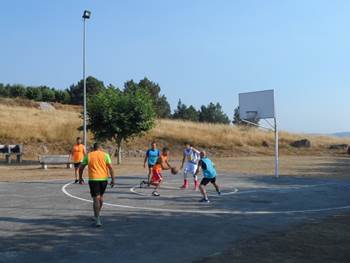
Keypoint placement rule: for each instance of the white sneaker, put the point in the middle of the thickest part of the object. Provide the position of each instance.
(155, 193)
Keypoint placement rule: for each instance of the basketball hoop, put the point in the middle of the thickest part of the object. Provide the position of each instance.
(260, 105)
(251, 115)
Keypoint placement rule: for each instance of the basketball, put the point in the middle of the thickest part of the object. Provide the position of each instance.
(174, 170)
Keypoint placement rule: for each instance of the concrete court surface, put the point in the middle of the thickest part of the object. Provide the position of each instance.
(50, 221)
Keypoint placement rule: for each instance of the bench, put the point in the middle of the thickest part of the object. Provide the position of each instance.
(12, 149)
(46, 160)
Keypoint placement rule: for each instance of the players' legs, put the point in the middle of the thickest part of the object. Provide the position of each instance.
(202, 186)
(76, 169)
(156, 188)
(97, 190)
(101, 202)
(196, 184)
(97, 204)
(195, 177)
(185, 185)
(76, 172)
(203, 191)
(103, 186)
(149, 174)
(156, 180)
(216, 187)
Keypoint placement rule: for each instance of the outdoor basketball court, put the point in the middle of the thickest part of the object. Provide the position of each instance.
(52, 220)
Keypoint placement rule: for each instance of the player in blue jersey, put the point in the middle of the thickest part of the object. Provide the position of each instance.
(209, 175)
(151, 158)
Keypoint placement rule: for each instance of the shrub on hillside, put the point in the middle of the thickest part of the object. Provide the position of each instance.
(17, 91)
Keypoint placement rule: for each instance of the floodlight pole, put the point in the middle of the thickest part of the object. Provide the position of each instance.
(86, 15)
(276, 150)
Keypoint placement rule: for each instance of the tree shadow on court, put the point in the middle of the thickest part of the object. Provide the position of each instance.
(125, 237)
(334, 169)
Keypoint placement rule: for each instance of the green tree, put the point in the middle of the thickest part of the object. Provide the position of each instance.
(186, 113)
(239, 122)
(213, 114)
(4, 90)
(47, 94)
(17, 90)
(118, 116)
(160, 102)
(93, 87)
(62, 96)
(33, 93)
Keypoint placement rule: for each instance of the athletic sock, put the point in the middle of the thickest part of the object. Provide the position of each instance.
(185, 185)
(195, 185)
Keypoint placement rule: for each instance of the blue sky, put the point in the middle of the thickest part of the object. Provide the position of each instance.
(197, 50)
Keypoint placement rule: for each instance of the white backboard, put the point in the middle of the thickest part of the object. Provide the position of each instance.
(261, 102)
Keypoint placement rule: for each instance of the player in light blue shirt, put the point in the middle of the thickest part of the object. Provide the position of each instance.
(209, 175)
(151, 158)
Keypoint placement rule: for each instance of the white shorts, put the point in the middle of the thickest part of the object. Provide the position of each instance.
(190, 168)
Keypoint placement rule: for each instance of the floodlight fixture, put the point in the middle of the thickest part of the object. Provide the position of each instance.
(86, 14)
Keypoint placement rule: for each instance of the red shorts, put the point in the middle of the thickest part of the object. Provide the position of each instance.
(156, 178)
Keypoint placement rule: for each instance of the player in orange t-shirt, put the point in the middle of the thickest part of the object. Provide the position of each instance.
(161, 164)
(99, 168)
(78, 153)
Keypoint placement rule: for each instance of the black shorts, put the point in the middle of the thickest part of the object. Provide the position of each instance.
(150, 166)
(77, 165)
(206, 181)
(97, 187)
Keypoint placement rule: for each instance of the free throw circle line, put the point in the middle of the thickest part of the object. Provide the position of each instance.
(191, 211)
(133, 190)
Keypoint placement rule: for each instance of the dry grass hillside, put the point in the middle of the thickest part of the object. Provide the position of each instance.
(54, 131)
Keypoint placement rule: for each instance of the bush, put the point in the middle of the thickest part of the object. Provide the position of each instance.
(33, 93)
(17, 90)
(4, 90)
(47, 94)
(62, 96)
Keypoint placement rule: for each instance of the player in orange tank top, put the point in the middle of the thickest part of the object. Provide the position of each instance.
(100, 168)
(78, 154)
(161, 164)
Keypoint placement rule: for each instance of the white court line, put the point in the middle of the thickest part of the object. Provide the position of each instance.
(228, 212)
(235, 190)
(286, 189)
(133, 190)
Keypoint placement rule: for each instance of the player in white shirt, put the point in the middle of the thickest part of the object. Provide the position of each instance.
(190, 161)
